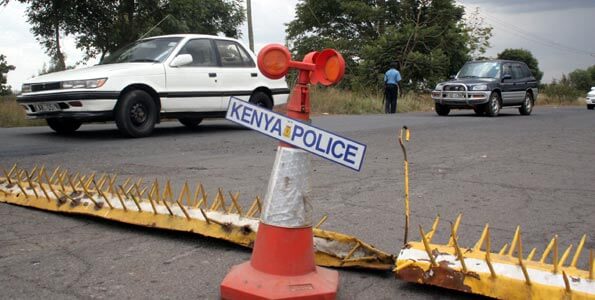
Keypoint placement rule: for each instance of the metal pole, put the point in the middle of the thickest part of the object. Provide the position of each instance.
(250, 32)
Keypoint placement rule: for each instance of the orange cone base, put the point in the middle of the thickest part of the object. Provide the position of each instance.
(245, 282)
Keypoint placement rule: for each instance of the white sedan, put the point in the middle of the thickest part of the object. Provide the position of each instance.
(185, 76)
(591, 99)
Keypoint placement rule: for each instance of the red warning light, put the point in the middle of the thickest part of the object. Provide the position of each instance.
(274, 60)
(330, 67)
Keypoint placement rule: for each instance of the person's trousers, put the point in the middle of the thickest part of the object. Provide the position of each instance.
(391, 92)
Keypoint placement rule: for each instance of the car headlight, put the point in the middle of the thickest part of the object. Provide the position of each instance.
(439, 86)
(83, 84)
(26, 88)
(480, 87)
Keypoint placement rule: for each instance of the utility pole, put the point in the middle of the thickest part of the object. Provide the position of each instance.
(250, 32)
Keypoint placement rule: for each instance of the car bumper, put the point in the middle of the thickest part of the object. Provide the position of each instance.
(590, 101)
(91, 106)
(461, 98)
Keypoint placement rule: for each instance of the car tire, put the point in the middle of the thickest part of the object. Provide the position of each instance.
(479, 110)
(261, 99)
(527, 106)
(63, 125)
(590, 106)
(190, 122)
(136, 114)
(493, 105)
(442, 110)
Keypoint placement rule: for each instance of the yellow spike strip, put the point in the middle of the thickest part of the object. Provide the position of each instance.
(591, 264)
(456, 229)
(488, 253)
(7, 175)
(31, 186)
(531, 254)
(566, 282)
(520, 254)
(458, 251)
(183, 210)
(352, 251)
(427, 247)
(514, 240)
(322, 220)
(403, 266)
(102, 194)
(479, 243)
(150, 196)
(503, 250)
(234, 202)
(430, 235)
(119, 198)
(579, 249)
(22, 189)
(547, 250)
(564, 256)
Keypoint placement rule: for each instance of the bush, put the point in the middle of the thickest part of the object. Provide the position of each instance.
(557, 93)
(13, 115)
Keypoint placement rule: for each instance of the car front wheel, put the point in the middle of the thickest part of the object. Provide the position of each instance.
(493, 105)
(442, 110)
(136, 114)
(261, 99)
(527, 106)
(190, 122)
(63, 125)
(590, 106)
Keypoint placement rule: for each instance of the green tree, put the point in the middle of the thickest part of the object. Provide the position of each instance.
(525, 56)
(4, 69)
(580, 79)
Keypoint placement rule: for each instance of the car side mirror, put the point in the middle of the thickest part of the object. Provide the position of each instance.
(506, 77)
(452, 76)
(181, 60)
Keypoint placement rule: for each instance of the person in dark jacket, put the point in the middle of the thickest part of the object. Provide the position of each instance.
(391, 88)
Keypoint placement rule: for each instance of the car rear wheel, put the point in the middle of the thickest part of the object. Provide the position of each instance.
(527, 106)
(590, 106)
(261, 99)
(190, 122)
(493, 105)
(442, 110)
(136, 114)
(63, 125)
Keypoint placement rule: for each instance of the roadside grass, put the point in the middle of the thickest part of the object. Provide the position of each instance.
(547, 100)
(13, 115)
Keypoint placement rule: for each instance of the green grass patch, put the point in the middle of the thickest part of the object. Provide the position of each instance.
(13, 115)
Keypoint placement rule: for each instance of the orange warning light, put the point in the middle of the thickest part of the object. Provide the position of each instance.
(273, 61)
(330, 67)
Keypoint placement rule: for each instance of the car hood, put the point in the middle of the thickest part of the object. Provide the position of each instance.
(100, 71)
(471, 80)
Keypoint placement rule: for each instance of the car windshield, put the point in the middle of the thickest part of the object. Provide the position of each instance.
(148, 50)
(480, 70)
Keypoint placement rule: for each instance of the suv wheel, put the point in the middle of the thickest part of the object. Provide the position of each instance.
(63, 125)
(527, 106)
(493, 105)
(136, 114)
(190, 122)
(590, 106)
(442, 110)
(261, 99)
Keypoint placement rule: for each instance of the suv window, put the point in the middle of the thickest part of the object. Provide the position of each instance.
(202, 53)
(526, 70)
(233, 55)
(517, 72)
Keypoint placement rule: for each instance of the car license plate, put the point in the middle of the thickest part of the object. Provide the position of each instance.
(46, 107)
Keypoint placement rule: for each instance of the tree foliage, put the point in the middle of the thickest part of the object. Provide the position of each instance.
(4, 69)
(525, 56)
(430, 38)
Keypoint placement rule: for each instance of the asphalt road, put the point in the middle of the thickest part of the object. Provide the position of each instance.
(537, 171)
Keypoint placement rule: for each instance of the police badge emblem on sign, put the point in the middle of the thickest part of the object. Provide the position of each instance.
(325, 144)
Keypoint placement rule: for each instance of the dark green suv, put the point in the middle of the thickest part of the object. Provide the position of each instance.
(486, 87)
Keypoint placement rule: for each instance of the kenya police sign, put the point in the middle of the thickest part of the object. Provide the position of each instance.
(301, 135)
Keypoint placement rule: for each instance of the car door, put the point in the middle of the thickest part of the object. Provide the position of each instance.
(194, 87)
(520, 83)
(238, 74)
(507, 85)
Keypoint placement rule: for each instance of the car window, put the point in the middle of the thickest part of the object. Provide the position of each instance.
(201, 51)
(526, 70)
(147, 50)
(517, 72)
(485, 69)
(233, 55)
(507, 69)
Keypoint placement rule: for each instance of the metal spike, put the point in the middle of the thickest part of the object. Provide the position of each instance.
(564, 256)
(456, 228)
(458, 251)
(514, 240)
(126, 182)
(61, 179)
(51, 180)
(53, 191)
(112, 181)
(205, 216)
(531, 254)
(199, 191)
(183, 210)
(157, 192)
(357, 246)
(102, 194)
(184, 193)
(520, 254)
(547, 250)
(149, 195)
(75, 179)
(90, 179)
(101, 182)
(555, 259)
(234, 202)
(167, 193)
(44, 191)
(591, 264)
(322, 220)
(120, 198)
(427, 247)
(579, 249)
(479, 243)
(22, 189)
(503, 250)
(487, 257)
(403, 266)
(219, 201)
(252, 209)
(140, 181)
(70, 181)
(31, 185)
(133, 198)
(89, 194)
(430, 234)
(12, 169)
(41, 170)
(566, 282)
(7, 175)
(164, 201)
(33, 170)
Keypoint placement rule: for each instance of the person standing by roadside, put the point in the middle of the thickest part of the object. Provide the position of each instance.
(391, 88)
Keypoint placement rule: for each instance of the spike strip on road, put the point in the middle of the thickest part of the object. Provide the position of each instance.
(502, 275)
(134, 203)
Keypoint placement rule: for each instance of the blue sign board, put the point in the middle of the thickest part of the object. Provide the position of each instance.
(325, 144)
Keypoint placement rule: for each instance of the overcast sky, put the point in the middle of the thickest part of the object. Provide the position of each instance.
(559, 33)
